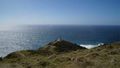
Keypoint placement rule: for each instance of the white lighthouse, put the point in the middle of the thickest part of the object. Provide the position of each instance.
(59, 39)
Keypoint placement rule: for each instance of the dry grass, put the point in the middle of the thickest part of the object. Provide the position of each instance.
(106, 56)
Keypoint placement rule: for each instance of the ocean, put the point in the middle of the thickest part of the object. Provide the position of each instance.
(35, 36)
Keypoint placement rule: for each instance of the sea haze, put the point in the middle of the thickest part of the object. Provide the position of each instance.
(35, 36)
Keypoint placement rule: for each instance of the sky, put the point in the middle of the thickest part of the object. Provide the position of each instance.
(60, 12)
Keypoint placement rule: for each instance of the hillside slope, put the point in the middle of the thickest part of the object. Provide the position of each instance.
(64, 54)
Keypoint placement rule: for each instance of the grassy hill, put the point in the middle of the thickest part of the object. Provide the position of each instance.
(64, 54)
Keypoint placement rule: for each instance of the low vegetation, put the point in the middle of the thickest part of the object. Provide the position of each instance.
(64, 54)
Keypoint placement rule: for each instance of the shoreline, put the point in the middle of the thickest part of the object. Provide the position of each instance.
(87, 46)
(64, 54)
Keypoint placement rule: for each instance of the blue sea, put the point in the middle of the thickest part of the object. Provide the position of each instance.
(35, 36)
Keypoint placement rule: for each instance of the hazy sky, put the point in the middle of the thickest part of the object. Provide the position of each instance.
(82, 12)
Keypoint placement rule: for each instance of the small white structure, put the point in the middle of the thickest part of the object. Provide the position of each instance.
(59, 39)
(100, 44)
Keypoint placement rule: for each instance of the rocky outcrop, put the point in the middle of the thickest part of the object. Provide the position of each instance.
(61, 46)
(64, 54)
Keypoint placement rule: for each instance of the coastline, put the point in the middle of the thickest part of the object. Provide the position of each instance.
(64, 54)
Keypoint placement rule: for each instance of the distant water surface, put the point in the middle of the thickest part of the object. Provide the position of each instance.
(35, 36)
